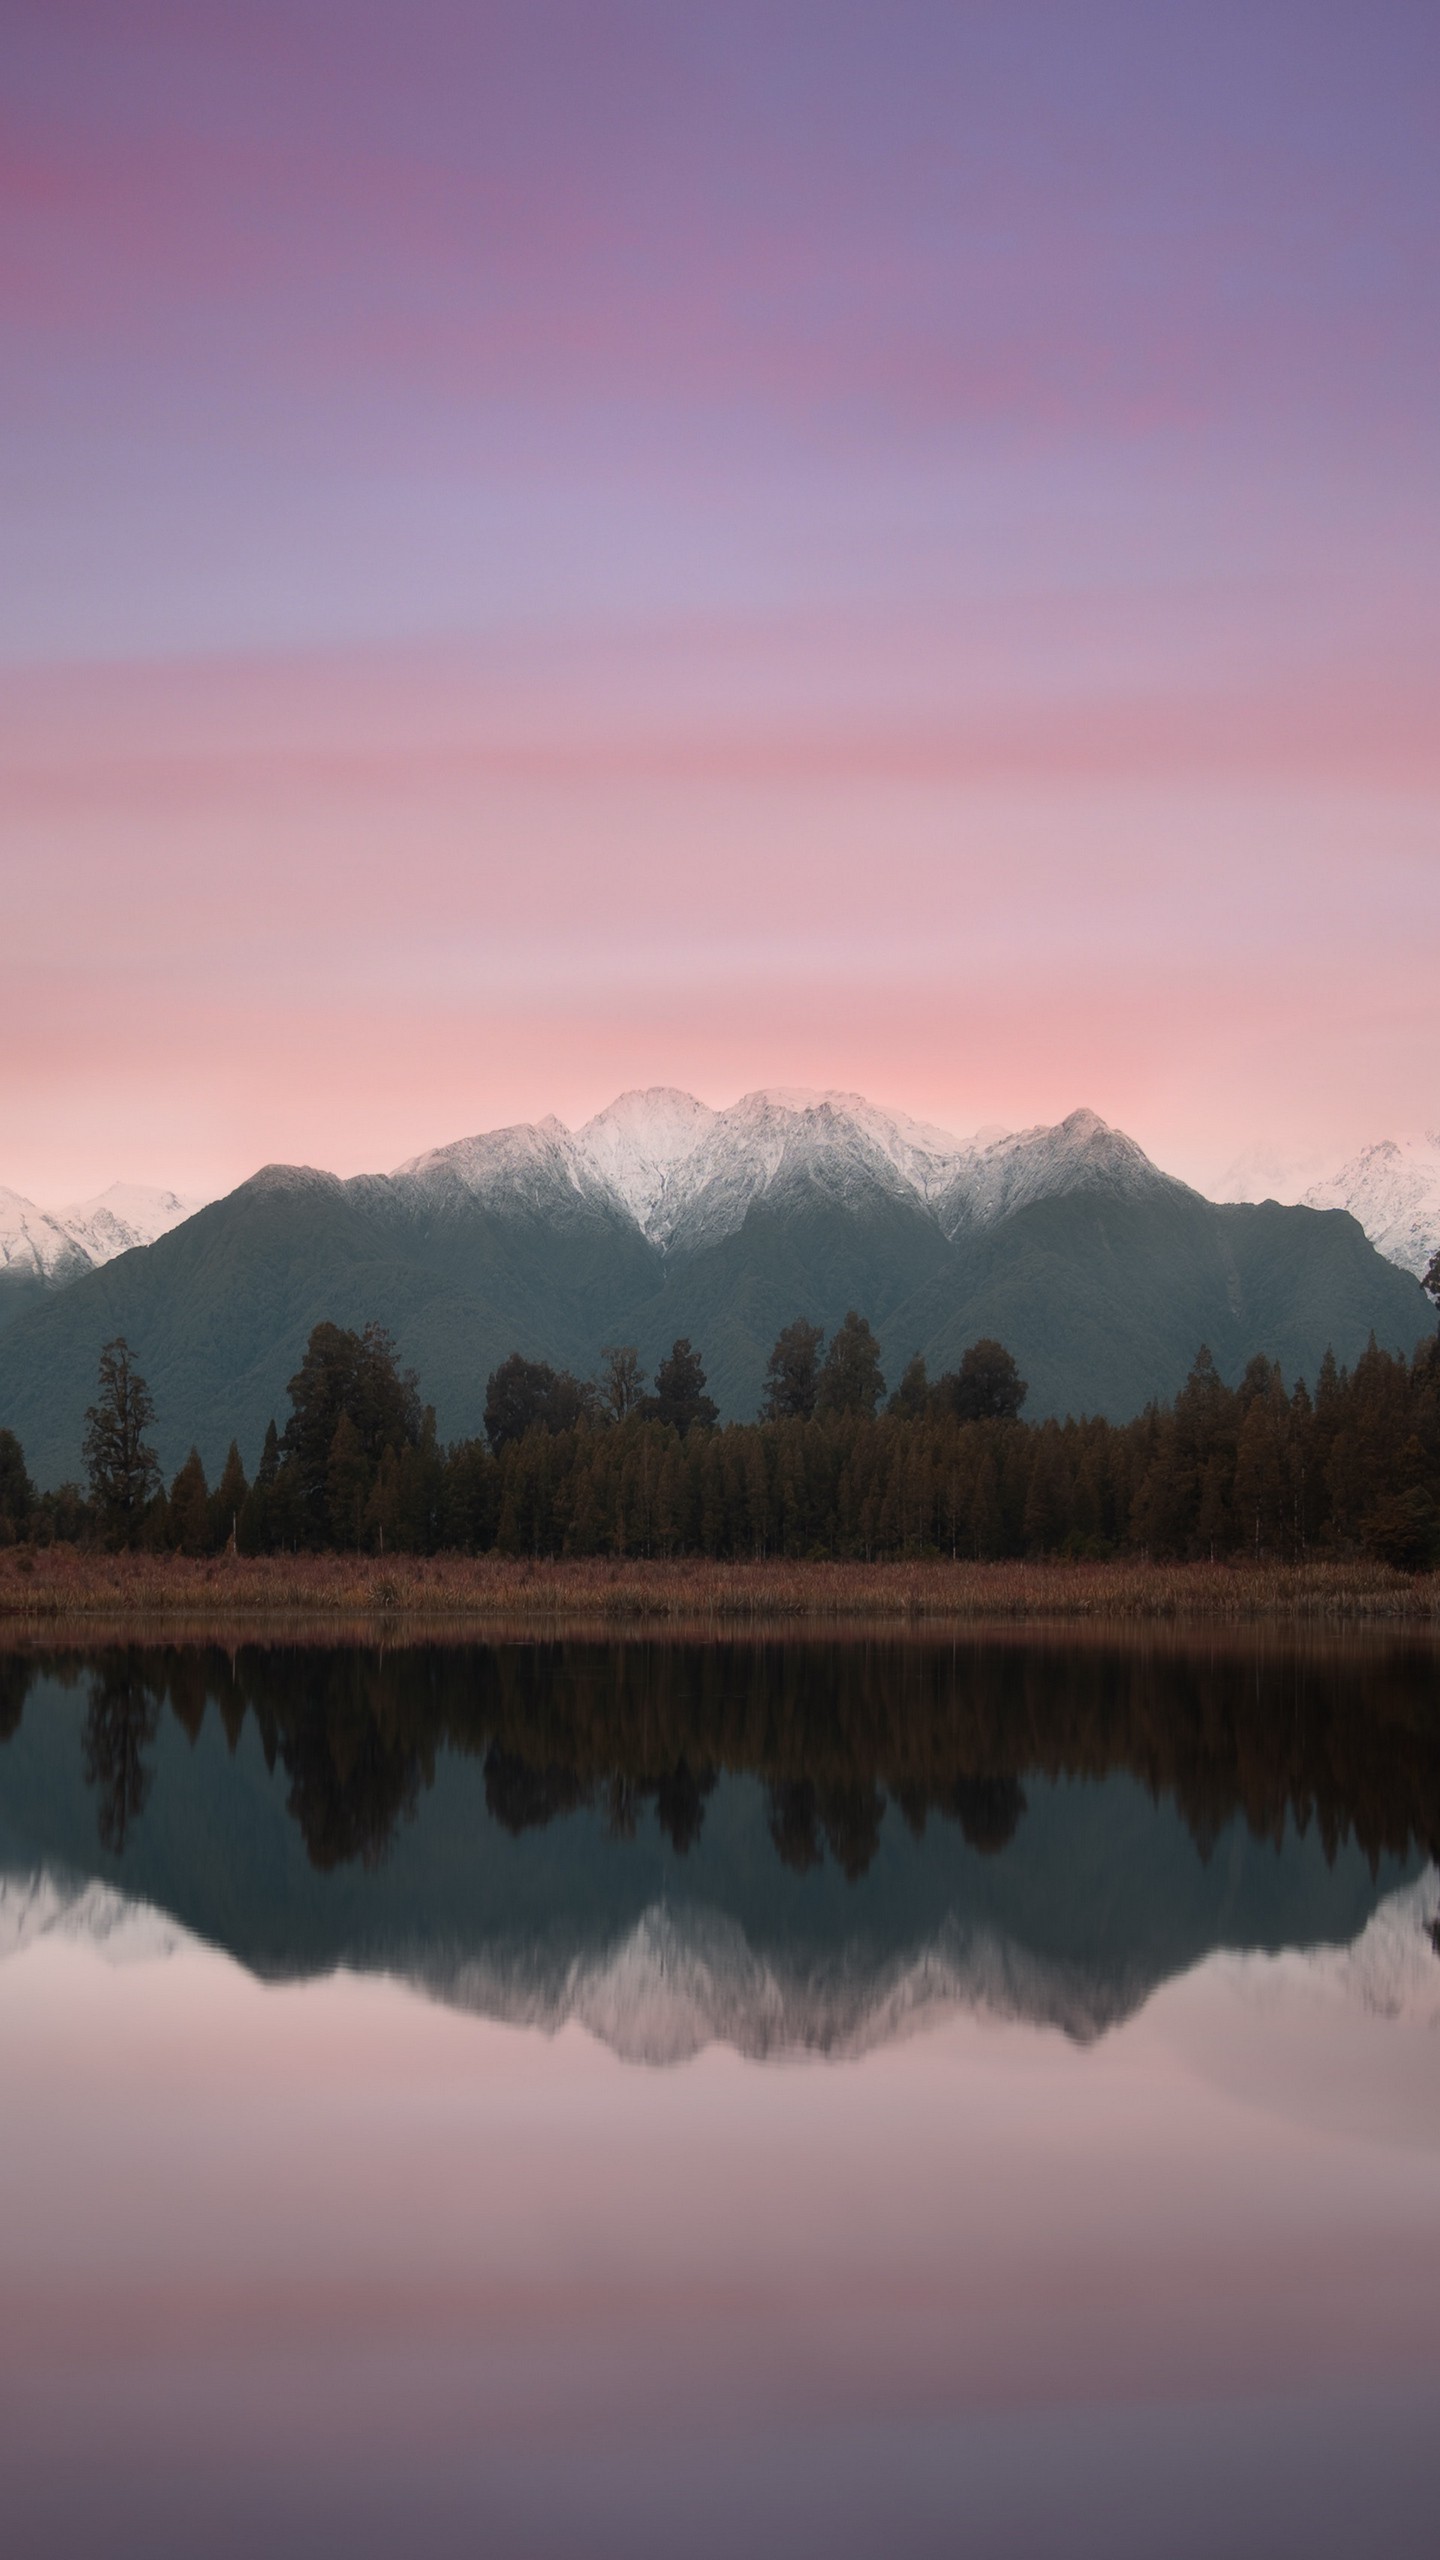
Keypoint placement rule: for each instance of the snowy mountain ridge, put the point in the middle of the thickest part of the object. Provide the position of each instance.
(687, 1175)
(57, 1245)
(1392, 1187)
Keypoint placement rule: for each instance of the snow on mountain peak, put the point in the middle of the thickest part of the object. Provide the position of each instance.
(60, 1244)
(1081, 1153)
(1393, 1188)
(924, 1157)
(535, 1165)
(639, 1142)
(124, 1216)
(687, 1174)
(33, 1245)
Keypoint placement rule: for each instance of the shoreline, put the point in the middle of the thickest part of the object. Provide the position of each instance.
(51, 1587)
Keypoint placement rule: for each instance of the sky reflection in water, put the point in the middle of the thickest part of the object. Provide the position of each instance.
(1111, 2221)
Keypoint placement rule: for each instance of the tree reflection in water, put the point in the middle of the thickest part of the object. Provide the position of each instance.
(122, 1718)
(356, 1762)
(1280, 1731)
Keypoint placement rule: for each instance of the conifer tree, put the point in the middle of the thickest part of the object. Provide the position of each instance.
(124, 1473)
(792, 1374)
(256, 1534)
(1205, 1414)
(987, 1520)
(1219, 1472)
(1048, 1494)
(670, 1503)
(987, 1386)
(348, 1479)
(528, 1395)
(471, 1496)
(1262, 1488)
(354, 1376)
(622, 1381)
(851, 1380)
(420, 1491)
(384, 1507)
(228, 1500)
(680, 1397)
(17, 1493)
(911, 1400)
(189, 1508)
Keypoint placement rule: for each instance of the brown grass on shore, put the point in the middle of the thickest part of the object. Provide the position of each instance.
(63, 1583)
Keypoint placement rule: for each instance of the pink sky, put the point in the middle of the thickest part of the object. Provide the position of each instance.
(549, 549)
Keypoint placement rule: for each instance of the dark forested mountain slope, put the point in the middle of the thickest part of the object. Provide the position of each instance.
(218, 1312)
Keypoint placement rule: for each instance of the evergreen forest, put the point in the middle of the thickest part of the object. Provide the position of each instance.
(836, 1467)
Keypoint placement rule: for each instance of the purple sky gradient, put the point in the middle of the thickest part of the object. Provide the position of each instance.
(550, 547)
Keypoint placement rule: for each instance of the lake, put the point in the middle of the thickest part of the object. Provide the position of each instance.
(958, 2093)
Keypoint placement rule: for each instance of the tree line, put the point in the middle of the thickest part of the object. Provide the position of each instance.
(836, 1466)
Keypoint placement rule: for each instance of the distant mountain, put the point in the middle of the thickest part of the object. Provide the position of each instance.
(1394, 1191)
(1392, 1187)
(45, 1249)
(687, 1176)
(661, 1217)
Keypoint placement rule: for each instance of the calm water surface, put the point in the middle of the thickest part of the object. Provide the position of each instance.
(975, 2096)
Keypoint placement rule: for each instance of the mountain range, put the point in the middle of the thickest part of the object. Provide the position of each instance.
(662, 1217)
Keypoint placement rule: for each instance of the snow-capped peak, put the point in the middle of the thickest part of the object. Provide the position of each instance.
(33, 1245)
(126, 1215)
(1081, 1153)
(534, 1165)
(923, 1156)
(686, 1174)
(1393, 1188)
(60, 1244)
(639, 1143)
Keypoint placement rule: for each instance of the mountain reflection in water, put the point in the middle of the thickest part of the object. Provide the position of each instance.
(776, 1842)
